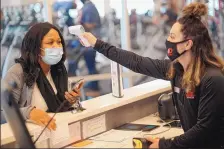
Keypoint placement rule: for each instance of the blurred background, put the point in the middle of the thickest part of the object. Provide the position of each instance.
(149, 22)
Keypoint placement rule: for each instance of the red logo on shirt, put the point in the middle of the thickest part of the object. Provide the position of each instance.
(190, 95)
(170, 52)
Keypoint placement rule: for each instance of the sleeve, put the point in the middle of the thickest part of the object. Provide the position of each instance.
(209, 116)
(10, 77)
(144, 65)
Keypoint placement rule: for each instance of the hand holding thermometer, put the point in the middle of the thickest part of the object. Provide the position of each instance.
(78, 30)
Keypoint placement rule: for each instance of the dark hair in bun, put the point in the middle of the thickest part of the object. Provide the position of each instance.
(195, 9)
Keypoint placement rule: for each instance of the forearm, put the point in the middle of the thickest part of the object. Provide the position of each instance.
(197, 137)
(137, 63)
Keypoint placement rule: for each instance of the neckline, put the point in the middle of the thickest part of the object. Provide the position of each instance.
(179, 68)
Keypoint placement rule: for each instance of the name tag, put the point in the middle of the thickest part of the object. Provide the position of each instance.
(176, 89)
(190, 95)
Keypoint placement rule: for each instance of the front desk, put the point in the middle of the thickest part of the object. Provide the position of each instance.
(103, 114)
(123, 138)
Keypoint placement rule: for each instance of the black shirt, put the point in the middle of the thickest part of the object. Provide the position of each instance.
(201, 115)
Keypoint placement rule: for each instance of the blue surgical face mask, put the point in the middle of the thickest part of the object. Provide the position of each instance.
(52, 55)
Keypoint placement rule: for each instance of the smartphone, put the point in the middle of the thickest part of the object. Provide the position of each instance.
(150, 127)
(77, 84)
(173, 124)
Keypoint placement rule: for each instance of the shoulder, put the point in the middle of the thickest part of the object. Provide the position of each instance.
(85, 8)
(212, 90)
(88, 7)
(16, 69)
(213, 78)
(15, 73)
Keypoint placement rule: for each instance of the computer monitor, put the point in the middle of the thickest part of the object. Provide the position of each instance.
(15, 119)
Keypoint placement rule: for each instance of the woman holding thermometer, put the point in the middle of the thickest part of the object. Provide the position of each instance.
(196, 74)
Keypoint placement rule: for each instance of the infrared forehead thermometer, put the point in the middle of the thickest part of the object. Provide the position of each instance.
(78, 30)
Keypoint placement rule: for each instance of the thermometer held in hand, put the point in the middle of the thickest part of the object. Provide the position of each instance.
(78, 30)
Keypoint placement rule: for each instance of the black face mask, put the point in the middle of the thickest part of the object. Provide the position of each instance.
(172, 52)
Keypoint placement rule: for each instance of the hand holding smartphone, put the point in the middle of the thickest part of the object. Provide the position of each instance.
(73, 95)
(78, 85)
(77, 89)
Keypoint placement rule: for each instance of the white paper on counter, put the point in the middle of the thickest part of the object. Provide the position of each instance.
(75, 131)
(115, 135)
(114, 145)
(44, 136)
(60, 134)
(94, 126)
(97, 145)
(128, 143)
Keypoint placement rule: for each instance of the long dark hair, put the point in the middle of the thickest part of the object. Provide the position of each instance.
(202, 50)
(30, 51)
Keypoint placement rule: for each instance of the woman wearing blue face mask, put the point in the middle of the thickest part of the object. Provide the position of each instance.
(196, 74)
(41, 75)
